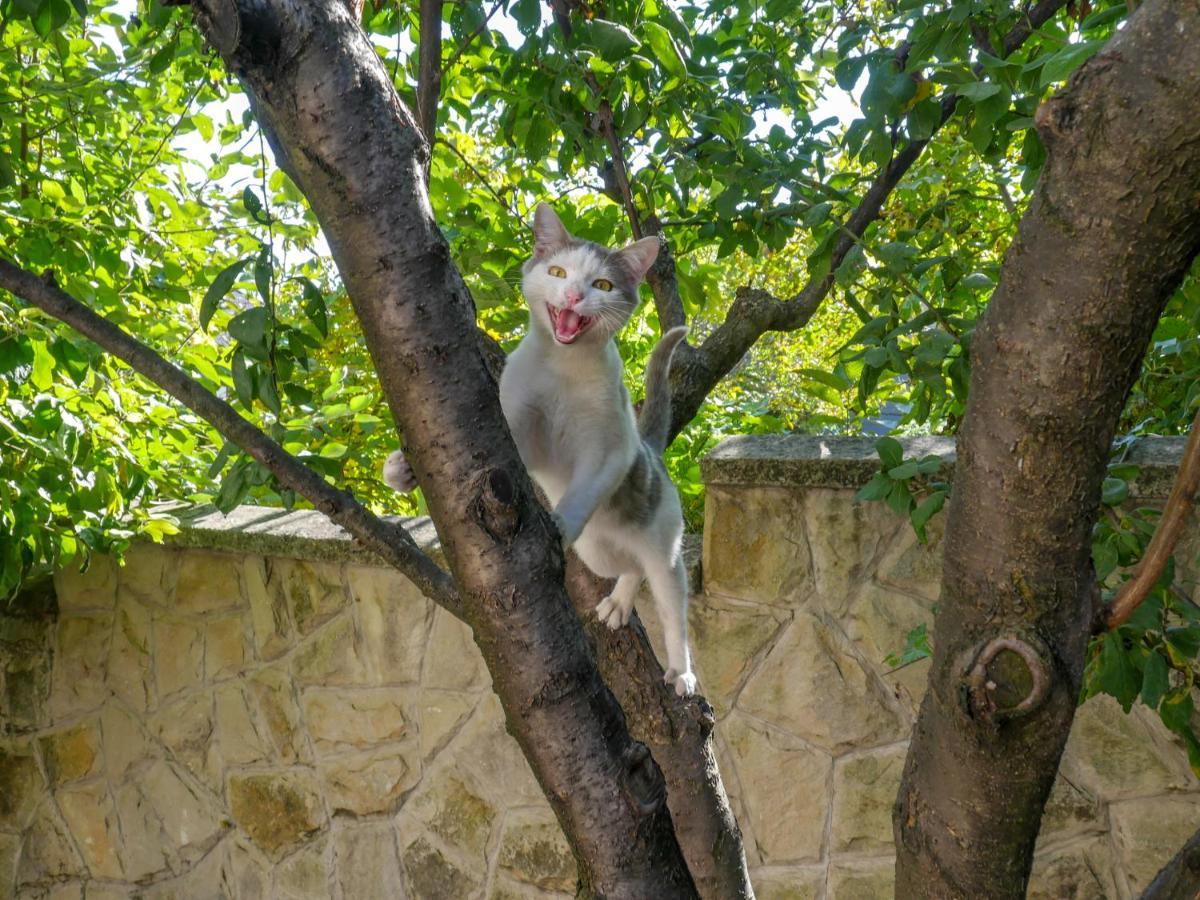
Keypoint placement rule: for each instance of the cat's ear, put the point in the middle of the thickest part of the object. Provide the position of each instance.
(638, 257)
(549, 234)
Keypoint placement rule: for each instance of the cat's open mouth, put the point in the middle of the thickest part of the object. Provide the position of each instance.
(567, 324)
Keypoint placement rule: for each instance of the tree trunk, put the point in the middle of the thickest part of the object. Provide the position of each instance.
(1179, 878)
(1108, 236)
(343, 135)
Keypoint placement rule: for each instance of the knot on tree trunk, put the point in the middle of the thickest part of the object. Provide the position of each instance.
(1007, 678)
(642, 781)
(245, 32)
(497, 506)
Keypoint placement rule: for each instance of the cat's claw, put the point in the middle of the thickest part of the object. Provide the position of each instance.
(398, 474)
(685, 683)
(613, 613)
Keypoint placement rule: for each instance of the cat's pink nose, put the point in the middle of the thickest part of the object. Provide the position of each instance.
(573, 298)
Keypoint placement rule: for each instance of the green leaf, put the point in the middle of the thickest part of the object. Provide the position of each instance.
(903, 471)
(1116, 674)
(250, 328)
(613, 40)
(817, 214)
(314, 307)
(875, 489)
(1067, 60)
(1154, 679)
(1114, 492)
(334, 450)
(243, 381)
(218, 289)
(890, 451)
(848, 71)
(977, 281)
(926, 510)
(977, 90)
(666, 51)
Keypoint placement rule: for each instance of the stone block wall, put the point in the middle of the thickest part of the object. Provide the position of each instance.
(261, 710)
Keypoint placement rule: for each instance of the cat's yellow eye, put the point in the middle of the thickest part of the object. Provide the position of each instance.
(603, 283)
(558, 271)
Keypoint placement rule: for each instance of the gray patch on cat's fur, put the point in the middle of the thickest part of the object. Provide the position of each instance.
(637, 496)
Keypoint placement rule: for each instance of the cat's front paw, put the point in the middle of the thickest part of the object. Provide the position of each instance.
(613, 612)
(398, 474)
(685, 682)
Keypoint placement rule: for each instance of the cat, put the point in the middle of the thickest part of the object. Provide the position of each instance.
(599, 464)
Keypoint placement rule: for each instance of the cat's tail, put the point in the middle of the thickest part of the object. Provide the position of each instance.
(654, 420)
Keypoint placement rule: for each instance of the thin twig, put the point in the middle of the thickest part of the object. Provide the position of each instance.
(467, 41)
(429, 67)
(388, 539)
(1175, 517)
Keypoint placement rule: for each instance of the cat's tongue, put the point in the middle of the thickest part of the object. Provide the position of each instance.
(568, 325)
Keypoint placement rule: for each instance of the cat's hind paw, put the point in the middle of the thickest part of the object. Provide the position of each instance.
(613, 613)
(685, 682)
(398, 474)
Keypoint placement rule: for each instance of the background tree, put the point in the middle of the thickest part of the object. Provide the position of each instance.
(703, 123)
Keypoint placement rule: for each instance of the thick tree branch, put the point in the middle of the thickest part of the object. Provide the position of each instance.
(1179, 879)
(1108, 237)
(388, 539)
(429, 68)
(359, 156)
(1175, 517)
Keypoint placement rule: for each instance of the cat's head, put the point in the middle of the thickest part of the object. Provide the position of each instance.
(579, 292)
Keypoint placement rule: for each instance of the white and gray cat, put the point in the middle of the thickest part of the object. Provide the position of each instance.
(569, 413)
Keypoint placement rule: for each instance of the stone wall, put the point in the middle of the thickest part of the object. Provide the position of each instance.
(259, 710)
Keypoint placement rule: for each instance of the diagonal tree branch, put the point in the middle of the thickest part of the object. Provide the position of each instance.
(696, 373)
(1175, 517)
(470, 38)
(388, 539)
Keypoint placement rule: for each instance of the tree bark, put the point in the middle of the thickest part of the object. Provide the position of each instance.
(359, 157)
(1108, 236)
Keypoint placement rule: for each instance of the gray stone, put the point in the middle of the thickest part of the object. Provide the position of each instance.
(433, 877)
(1148, 832)
(372, 781)
(26, 652)
(785, 787)
(178, 655)
(441, 714)
(91, 817)
(130, 660)
(190, 820)
(305, 874)
(454, 661)
(149, 574)
(241, 743)
(10, 844)
(21, 784)
(95, 589)
(368, 862)
(188, 728)
(728, 637)
(208, 583)
(47, 853)
(913, 567)
(485, 749)
(339, 718)
(314, 591)
(846, 539)
(1070, 809)
(268, 610)
(534, 851)
(277, 810)
(812, 685)
(279, 713)
(71, 753)
(864, 791)
(126, 745)
(1114, 754)
(800, 460)
(394, 619)
(878, 622)
(80, 664)
(225, 647)
(1078, 872)
(456, 813)
(330, 657)
(248, 873)
(795, 883)
(755, 547)
(867, 880)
